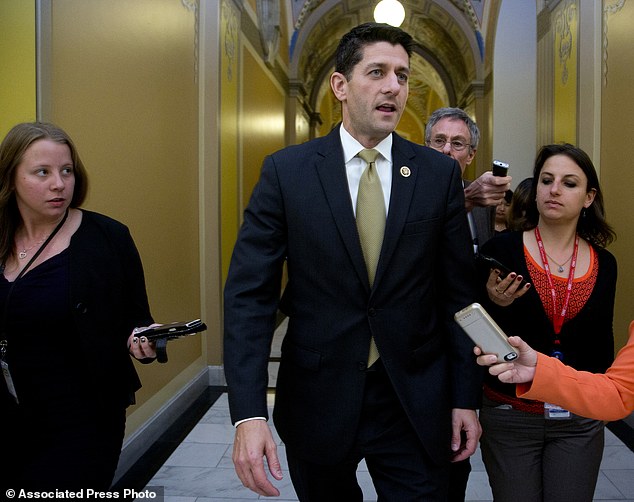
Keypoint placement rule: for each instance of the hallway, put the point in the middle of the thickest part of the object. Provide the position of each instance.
(200, 469)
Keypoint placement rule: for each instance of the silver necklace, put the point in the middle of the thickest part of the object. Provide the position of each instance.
(24, 253)
(560, 266)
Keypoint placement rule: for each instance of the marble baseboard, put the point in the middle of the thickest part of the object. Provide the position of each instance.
(139, 442)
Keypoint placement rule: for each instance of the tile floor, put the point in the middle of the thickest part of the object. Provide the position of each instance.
(200, 469)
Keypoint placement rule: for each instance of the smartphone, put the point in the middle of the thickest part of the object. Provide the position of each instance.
(484, 332)
(500, 168)
(175, 329)
(493, 263)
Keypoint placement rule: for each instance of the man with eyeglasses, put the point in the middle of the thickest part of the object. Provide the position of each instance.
(452, 132)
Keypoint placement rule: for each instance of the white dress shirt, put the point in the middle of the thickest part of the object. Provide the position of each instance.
(356, 165)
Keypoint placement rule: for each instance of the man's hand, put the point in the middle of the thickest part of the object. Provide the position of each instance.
(487, 190)
(254, 441)
(521, 370)
(464, 424)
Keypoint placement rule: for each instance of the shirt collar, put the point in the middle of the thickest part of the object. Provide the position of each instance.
(351, 147)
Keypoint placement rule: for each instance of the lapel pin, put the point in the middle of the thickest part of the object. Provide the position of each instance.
(405, 171)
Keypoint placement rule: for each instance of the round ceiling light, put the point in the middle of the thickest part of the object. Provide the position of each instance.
(390, 12)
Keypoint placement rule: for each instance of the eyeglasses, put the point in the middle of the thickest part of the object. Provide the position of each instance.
(439, 144)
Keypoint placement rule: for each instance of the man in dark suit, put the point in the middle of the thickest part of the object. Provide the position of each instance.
(411, 411)
(452, 132)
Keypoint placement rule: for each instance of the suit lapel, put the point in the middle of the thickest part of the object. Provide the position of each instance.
(332, 174)
(403, 186)
(331, 170)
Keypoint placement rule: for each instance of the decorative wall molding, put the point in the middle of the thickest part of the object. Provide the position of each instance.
(230, 42)
(269, 20)
(563, 19)
(193, 6)
(609, 8)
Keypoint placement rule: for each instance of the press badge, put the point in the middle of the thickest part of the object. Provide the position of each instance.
(555, 412)
(8, 380)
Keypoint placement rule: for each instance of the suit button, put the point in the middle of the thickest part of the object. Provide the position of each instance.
(371, 312)
(363, 366)
(81, 308)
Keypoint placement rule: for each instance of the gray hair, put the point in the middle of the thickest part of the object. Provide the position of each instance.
(454, 114)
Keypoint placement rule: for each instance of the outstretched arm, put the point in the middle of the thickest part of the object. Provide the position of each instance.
(608, 396)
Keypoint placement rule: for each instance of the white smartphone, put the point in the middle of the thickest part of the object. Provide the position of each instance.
(484, 332)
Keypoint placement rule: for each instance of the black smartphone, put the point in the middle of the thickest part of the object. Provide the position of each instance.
(174, 330)
(500, 168)
(493, 263)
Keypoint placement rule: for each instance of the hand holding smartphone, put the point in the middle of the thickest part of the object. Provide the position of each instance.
(493, 263)
(500, 168)
(160, 335)
(485, 333)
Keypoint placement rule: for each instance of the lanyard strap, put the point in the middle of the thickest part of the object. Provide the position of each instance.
(558, 318)
(3, 338)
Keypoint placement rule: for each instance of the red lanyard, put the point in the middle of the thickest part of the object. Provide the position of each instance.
(558, 319)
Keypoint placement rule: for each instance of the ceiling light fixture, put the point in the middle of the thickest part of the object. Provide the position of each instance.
(390, 12)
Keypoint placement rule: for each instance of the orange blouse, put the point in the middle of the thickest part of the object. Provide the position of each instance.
(583, 286)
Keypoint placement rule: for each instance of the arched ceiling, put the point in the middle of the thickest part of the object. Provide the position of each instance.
(447, 61)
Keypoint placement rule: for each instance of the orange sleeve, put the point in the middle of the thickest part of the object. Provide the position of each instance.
(608, 396)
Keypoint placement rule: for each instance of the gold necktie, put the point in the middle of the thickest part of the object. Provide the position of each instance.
(370, 222)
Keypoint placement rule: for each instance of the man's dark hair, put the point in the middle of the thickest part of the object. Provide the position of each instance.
(350, 48)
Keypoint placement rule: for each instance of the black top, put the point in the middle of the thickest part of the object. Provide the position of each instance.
(42, 338)
(68, 321)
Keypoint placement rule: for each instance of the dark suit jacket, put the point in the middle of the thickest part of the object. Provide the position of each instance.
(108, 300)
(484, 220)
(300, 212)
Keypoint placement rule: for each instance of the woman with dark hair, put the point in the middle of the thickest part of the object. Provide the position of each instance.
(72, 294)
(567, 313)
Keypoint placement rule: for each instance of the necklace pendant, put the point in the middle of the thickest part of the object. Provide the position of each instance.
(560, 269)
(22, 255)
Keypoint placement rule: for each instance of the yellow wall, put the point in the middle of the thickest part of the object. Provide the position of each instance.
(262, 119)
(617, 152)
(123, 85)
(17, 63)
(229, 173)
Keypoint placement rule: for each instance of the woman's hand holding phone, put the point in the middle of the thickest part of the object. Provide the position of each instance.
(520, 370)
(503, 285)
(139, 346)
(504, 291)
